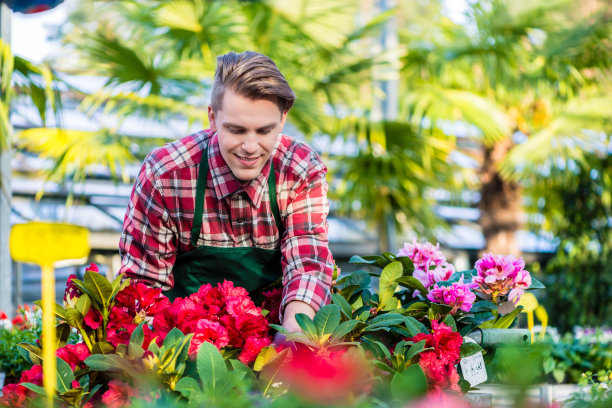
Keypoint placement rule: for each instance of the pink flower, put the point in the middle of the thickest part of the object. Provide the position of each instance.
(497, 275)
(93, 318)
(521, 282)
(459, 295)
(422, 255)
(92, 268)
(440, 273)
(118, 394)
(208, 331)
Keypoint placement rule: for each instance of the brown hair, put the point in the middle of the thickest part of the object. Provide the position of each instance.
(253, 76)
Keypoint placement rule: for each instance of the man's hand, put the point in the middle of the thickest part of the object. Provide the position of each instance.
(291, 310)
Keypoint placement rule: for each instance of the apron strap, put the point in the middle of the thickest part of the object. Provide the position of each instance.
(199, 201)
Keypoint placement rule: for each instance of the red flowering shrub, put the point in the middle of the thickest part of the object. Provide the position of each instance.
(16, 395)
(34, 375)
(224, 316)
(439, 364)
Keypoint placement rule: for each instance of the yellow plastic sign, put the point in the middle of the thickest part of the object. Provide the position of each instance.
(44, 244)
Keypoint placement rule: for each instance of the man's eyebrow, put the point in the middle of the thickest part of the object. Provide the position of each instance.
(234, 125)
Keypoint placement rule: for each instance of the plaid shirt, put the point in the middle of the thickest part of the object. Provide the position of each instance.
(160, 214)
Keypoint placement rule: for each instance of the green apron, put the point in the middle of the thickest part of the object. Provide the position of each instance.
(249, 267)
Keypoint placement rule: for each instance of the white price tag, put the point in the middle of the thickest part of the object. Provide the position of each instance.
(473, 367)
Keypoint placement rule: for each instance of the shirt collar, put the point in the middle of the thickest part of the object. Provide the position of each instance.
(224, 181)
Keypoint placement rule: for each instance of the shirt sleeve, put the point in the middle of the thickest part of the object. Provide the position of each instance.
(307, 262)
(148, 240)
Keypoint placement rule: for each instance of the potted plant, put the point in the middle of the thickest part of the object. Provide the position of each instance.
(24, 327)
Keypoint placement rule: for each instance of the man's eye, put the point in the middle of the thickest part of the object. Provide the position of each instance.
(264, 131)
(237, 131)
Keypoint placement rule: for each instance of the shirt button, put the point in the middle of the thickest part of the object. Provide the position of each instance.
(240, 220)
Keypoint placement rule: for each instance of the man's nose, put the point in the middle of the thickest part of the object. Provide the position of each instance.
(249, 143)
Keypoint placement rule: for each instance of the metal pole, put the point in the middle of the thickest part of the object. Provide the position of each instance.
(6, 273)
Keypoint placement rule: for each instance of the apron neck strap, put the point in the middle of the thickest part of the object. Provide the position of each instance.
(201, 189)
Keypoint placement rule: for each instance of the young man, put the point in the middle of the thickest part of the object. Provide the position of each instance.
(239, 201)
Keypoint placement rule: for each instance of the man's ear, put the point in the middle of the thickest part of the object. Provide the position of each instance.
(212, 119)
(283, 120)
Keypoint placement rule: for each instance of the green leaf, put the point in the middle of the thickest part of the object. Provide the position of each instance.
(483, 306)
(83, 304)
(173, 337)
(450, 322)
(137, 336)
(409, 384)
(327, 319)
(343, 329)
(412, 283)
(74, 318)
(387, 285)
(62, 331)
(417, 306)
(60, 312)
(468, 349)
(211, 366)
(34, 352)
(301, 338)
(270, 371)
(307, 326)
(36, 388)
(279, 328)
(344, 306)
(266, 355)
(375, 260)
(99, 287)
(105, 362)
(415, 349)
(505, 321)
(102, 347)
(536, 284)
(186, 386)
(414, 326)
(65, 376)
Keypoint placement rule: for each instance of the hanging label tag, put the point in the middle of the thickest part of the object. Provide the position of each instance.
(473, 367)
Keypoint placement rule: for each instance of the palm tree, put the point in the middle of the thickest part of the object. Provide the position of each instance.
(518, 71)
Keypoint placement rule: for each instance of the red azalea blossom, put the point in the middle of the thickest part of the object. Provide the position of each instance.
(18, 320)
(141, 300)
(439, 364)
(120, 326)
(92, 268)
(93, 318)
(272, 303)
(34, 375)
(3, 316)
(118, 394)
(14, 396)
(72, 293)
(252, 347)
(224, 316)
(74, 355)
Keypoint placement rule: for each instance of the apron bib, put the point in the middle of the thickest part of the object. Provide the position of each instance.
(249, 267)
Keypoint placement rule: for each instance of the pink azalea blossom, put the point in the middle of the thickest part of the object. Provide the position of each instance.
(423, 255)
(459, 295)
(438, 274)
(499, 275)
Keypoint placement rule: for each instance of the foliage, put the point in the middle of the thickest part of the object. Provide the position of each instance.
(25, 326)
(212, 348)
(596, 391)
(578, 207)
(568, 358)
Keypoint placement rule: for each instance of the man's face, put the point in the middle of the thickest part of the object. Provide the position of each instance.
(247, 131)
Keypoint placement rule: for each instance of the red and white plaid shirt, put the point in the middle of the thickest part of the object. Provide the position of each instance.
(160, 213)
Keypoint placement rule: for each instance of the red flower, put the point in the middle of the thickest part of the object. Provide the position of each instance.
(72, 293)
(92, 268)
(13, 396)
(272, 303)
(252, 347)
(140, 299)
(18, 320)
(209, 331)
(74, 355)
(120, 326)
(93, 318)
(439, 364)
(118, 394)
(3, 316)
(34, 375)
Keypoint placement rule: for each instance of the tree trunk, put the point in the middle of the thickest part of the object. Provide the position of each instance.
(500, 203)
